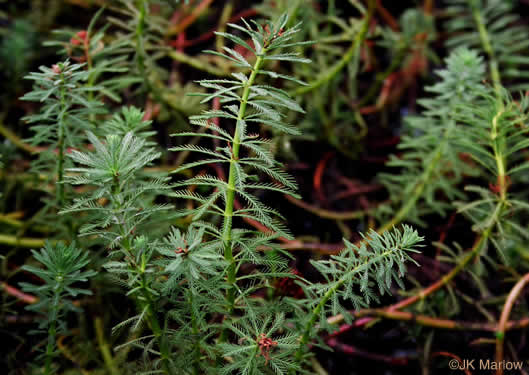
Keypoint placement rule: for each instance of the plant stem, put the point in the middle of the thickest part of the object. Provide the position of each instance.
(141, 52)
(422, 182)
(61, 145)
(155, 326)
(353, 51)
(8, 134)
(502, 324)
(434, 322)
(476, 250)
(197, 63)
(139, 37)
(487, 46)
(196, 340)
(480, 243)
(498, 145)
(104, 348)
(305, 337)
(230, 193)
(327, 214)
(7, 239)
(140, 45)
(52, 330)
(149, 303)
(18, 294)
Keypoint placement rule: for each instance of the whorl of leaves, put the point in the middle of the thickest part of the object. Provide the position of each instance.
(352, 274)
(263, 346)
(493, 27)
(61, 274)
(494, 134)
(430, 161)
(246, 104)
(63, 267)
(64, 116)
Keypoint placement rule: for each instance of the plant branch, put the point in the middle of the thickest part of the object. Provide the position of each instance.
(487, 46)
(327, 214)
(503, 323)
(8, 134)
(424, 293)
(230, 193)
(20, 295)
(61, 143)
(106, 352)
(12, 240)
(352, 52)
(315, 314)
(434, 322)
(197, 63)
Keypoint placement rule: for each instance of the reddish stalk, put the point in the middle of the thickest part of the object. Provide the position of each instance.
(367, 316)
(428, 7)
(187, 21)
(441, 323)
(318, 174)
(451, 355)
(503, 323)
(351, 350)
(24, 297)
(387, 16)
(445, 279)
(355, 190)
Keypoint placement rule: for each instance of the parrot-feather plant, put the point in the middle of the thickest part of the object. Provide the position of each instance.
(247, 104)
(61, 122)
(115, 169)
(59, 125)
(430, 163)
(183, 283)
(63, 269)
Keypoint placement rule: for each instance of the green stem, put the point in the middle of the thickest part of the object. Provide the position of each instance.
(140, 45)
(7, 239)
(141, 57)
(106, 352)
(196, 340)
(155, 325)
(353, 51)
(230, 193)
(422, 182)
(61, 146)
(306, 336)
(52, 330)
(140, 268)
(197, 64)
(498, 145)
(8, 134)
(487, 46)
